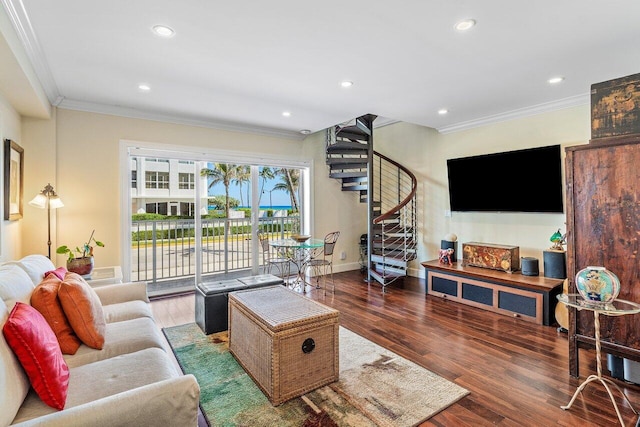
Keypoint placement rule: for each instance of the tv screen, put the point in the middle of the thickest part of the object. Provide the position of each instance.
(515, 181)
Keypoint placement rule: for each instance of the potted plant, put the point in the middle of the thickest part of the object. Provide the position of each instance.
(80, 259)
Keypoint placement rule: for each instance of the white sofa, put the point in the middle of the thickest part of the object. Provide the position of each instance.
(132, 381)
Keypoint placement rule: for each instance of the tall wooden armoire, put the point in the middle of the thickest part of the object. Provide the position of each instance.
(603, 229)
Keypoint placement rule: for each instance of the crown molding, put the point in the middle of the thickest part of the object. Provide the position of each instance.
(69, 104)
(23, 28)
(546, 107)
(384, 121)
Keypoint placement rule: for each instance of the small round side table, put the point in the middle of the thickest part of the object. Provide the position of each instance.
(616, 307)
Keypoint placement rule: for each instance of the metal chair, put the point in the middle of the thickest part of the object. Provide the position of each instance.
(322, 261)
(269, 260)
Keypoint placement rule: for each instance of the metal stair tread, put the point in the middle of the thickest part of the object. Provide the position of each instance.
(354, 130)
(351, 147)
(389, 260)
(347, 174)
(384, 278)
(341, 160)
(353, 187)
(347, 166)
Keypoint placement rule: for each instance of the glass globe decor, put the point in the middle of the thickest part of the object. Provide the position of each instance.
(597, 284)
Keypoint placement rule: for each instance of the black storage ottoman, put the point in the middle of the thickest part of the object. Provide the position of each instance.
(212, 299)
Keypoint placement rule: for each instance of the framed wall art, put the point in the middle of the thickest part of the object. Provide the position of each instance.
(13, 180)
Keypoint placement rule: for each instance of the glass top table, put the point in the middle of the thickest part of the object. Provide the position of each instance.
(291, 243)
(617, 307)
(299, 253)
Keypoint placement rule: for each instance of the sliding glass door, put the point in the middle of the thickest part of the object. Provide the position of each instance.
(194, 219)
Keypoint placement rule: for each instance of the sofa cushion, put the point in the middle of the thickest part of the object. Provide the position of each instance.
(12, 376)
(34, 343)
(122, 292)
(106, 378)
(15, 285)
(120, 338)
(35, 266)
(126, 311)
(82, 307)
(45, 299)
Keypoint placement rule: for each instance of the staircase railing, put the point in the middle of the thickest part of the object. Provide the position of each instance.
(388, 188)
(395, 193)
(391, 173)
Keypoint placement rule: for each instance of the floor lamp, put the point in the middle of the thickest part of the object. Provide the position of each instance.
(48, 199)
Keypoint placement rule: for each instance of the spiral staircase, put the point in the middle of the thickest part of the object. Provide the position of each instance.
(388, 188)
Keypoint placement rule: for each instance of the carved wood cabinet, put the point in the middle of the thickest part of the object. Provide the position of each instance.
(603, 225)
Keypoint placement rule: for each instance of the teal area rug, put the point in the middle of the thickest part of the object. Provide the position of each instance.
(376, 388)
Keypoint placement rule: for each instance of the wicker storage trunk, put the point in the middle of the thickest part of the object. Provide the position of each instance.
(286, 342)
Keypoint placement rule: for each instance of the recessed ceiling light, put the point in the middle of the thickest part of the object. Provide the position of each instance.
(143, 87)
(163, 31)
(305, 131)
(465, 25)
(443, 111)
(555, 80)
(286, 113)
(346, 83)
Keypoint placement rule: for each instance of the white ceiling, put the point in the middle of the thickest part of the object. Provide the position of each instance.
(238, 64)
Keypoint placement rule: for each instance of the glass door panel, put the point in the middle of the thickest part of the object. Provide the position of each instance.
(170, 224)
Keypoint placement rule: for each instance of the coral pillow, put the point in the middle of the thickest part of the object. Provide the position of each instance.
(83, 309)
(59, 272)
(44, 298)
(36, 347)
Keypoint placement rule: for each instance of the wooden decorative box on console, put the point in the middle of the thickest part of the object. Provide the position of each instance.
(488, 255)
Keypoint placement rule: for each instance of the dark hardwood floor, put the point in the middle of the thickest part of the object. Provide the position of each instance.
(517, 372)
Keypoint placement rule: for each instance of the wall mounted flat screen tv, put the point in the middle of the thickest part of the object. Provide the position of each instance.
(515, 181)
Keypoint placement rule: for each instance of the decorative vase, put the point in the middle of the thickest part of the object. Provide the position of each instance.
(597, 284)
(82, 266)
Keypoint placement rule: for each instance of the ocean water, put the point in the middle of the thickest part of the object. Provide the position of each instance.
(268, 207)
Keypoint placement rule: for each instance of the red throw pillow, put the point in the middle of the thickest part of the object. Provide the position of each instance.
(83, 309)
(36, 347)
(44, 298)
(59, 272)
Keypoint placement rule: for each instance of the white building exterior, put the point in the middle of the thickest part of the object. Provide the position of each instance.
(164, 186)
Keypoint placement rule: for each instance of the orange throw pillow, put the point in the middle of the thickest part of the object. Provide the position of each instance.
(83, 309)
(44, 298)
(36, 347)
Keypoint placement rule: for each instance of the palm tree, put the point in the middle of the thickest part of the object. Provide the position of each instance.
(290, 179)
(221, 173)
(265, 173)
(242, 176)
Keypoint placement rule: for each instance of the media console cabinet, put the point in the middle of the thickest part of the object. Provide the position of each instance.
(532, 298)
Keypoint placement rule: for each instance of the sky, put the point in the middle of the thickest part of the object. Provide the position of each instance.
(278, 197)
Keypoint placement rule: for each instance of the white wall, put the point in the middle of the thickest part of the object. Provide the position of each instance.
(428, 153)
(84, 169)
(334, 209)
(412, 146)
(10, 231)
(78, 153)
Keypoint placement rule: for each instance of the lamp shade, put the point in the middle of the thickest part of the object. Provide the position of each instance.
(40, 201)
(55, 202)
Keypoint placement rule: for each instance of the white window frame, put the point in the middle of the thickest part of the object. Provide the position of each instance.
(160, 151)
